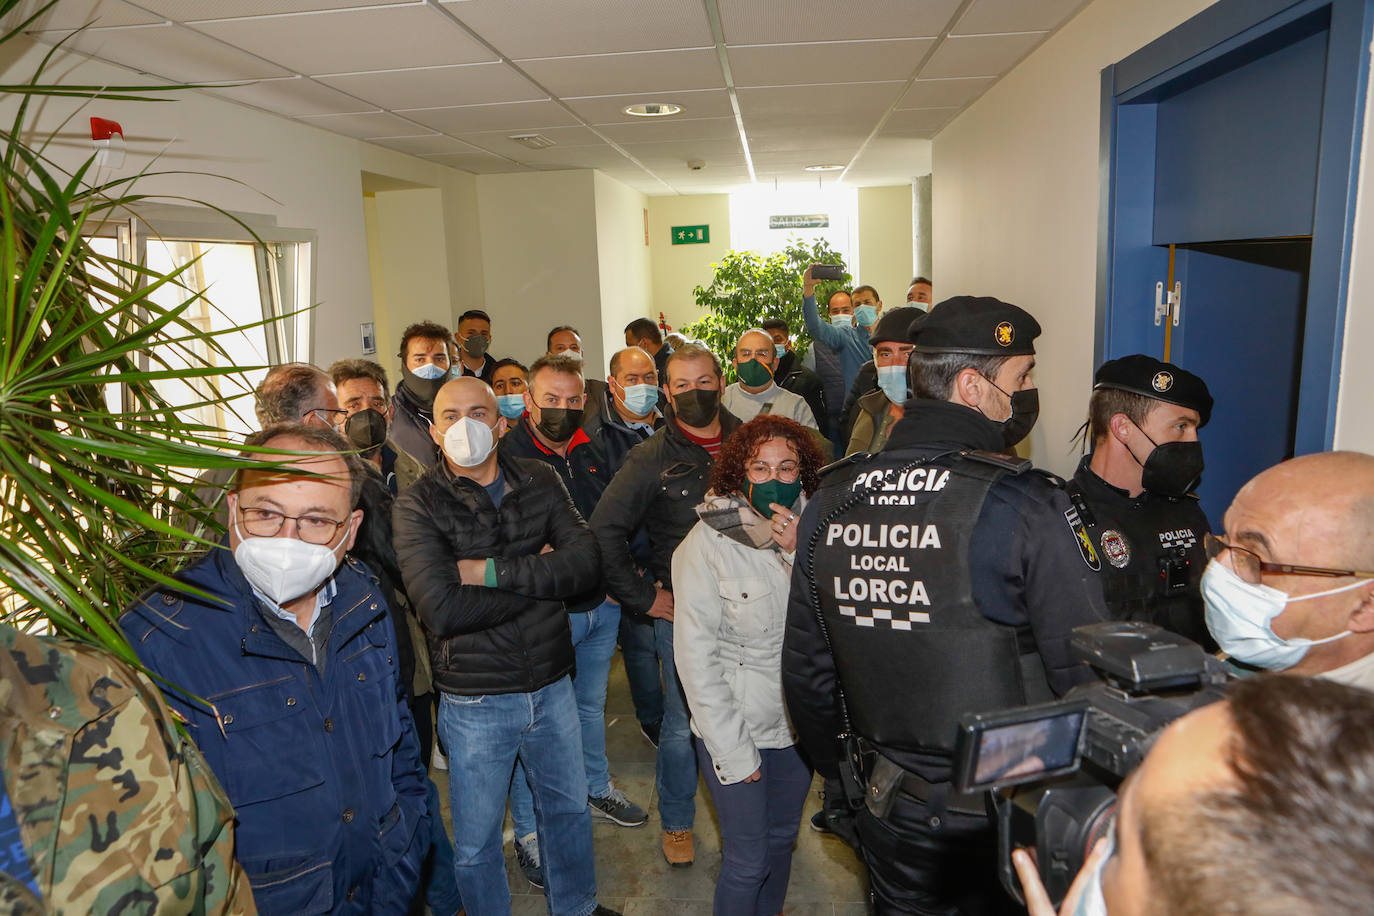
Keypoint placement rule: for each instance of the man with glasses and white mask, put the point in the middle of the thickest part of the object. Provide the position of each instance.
(279, 654)
(1290, 586)
(490, 546)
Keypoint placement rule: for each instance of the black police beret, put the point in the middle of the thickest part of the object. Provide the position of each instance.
(1145, 375)
(976, 324)
(894, 324)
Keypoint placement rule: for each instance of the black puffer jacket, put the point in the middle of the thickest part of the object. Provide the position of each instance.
(512, 638)
(659, 487)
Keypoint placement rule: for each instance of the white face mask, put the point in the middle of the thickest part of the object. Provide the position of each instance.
(1240, 614)
(468, 442)
(283, 569)
(1091, 902)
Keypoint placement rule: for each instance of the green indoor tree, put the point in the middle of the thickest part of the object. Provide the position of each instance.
(92, 457)
(748, 289)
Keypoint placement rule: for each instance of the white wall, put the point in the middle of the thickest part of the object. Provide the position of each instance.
(539, 258)
(623, 259)
(411, 282)
(886, 242)
(678, 269)
(1015, 198)
(1354, 410)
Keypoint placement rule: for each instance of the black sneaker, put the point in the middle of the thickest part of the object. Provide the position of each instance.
(837, 823)
(527, 857)
(617, 809)
(604, 911)
(650, 731)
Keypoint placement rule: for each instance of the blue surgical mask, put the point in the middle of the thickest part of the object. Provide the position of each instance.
(1240, 616)
(842, 320)
(780, 349)
(865, 315)
(640, 399)
(429, 372)
(892, 380)
(512, 405)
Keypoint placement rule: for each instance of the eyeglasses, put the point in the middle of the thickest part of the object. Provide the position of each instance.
(760, 471)
(332, 416)
(760, 354)
(1248, 565)
(267, 523)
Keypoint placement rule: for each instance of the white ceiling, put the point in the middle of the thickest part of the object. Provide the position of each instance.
(767, 86)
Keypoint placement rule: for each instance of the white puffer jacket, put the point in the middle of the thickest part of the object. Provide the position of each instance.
(729, 606)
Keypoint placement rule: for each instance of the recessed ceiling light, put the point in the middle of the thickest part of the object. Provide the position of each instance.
(824, 168)
(652, 109)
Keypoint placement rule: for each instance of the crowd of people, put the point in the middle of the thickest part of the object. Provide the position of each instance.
(818, 567)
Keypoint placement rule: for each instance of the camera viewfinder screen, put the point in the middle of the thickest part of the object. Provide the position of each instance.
(1018, 752)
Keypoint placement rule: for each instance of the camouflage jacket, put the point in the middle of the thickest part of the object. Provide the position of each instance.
(117, 811)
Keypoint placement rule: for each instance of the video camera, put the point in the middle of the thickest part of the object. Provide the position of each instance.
(1071, 756)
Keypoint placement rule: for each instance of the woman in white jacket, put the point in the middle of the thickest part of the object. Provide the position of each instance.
(730, 582)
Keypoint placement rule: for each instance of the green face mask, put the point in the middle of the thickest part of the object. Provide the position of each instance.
(772, 491)
(754, 373)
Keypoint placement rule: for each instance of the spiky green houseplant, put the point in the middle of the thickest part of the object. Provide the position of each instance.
(86, 489)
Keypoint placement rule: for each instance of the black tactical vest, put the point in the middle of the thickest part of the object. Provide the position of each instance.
(890, 574)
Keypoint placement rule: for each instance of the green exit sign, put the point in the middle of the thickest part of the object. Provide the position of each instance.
(691, 235)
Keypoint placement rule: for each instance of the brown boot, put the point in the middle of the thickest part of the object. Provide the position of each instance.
(677, 848)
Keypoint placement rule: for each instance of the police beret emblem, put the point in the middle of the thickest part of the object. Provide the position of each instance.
(1117, 548)
(1162, 381)
(1005, 334)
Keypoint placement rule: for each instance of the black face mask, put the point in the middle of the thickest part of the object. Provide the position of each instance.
(559, 423)
(1025, 410)
(476, 345)
(366, 430)
(697, 407)
(424, 389)
(1172, 469)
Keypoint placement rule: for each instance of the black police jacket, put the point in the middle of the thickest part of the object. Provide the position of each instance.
(513, 638)
(1026, 574)
(659, 487)
(1150, 551)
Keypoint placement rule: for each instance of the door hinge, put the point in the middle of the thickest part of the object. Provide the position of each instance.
(1169, 305)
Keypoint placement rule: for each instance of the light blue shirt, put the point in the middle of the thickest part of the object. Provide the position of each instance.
(322, 600)
(849, 343)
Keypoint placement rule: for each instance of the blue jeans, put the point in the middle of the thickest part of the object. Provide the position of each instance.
(441, 890)
(758, 827)
(485, 735)
(676, 768)
(593, 638)
(641, 668)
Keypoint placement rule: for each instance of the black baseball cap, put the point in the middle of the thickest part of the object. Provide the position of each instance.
(894, 324)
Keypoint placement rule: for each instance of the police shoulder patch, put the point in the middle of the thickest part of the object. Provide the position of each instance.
(1085, 543)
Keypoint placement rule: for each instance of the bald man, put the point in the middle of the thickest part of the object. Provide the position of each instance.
(1243, 806)
(756, 392)
(1291, 585)
(490, 546)
(309, 732)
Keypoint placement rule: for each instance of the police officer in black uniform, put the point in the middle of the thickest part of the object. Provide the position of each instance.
(937, 577)
(1134, 491)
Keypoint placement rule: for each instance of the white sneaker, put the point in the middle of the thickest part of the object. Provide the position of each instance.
(438, 760)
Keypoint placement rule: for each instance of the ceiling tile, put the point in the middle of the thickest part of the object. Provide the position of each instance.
(478, 163)
(748, 22)
(171, 51)
(585, 26)
(647, 71)
(498, 141)
(987, 16)
(346, 41)
(574, 157)
(829, 105)
(918, 122)
(944, 93)
(680, 151)
(653, 130)
(799, 159)
(893, 155)
(438, 87)
(73, 14)
(292, 96)
(826, 62)
(364, 125)
(424, 145)
(516, 117)
(608, 109)
(781, 138)
(983, 55)
(184, 11)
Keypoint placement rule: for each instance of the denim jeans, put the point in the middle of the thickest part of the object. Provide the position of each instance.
(441, 889)
(676, 768)
(593, 637)
(485, 735)
(641, 668)
(758, 827)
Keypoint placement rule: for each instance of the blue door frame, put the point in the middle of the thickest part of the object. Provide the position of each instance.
(1218, 39)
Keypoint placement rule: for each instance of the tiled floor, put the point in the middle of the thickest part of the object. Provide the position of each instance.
(631, 875)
